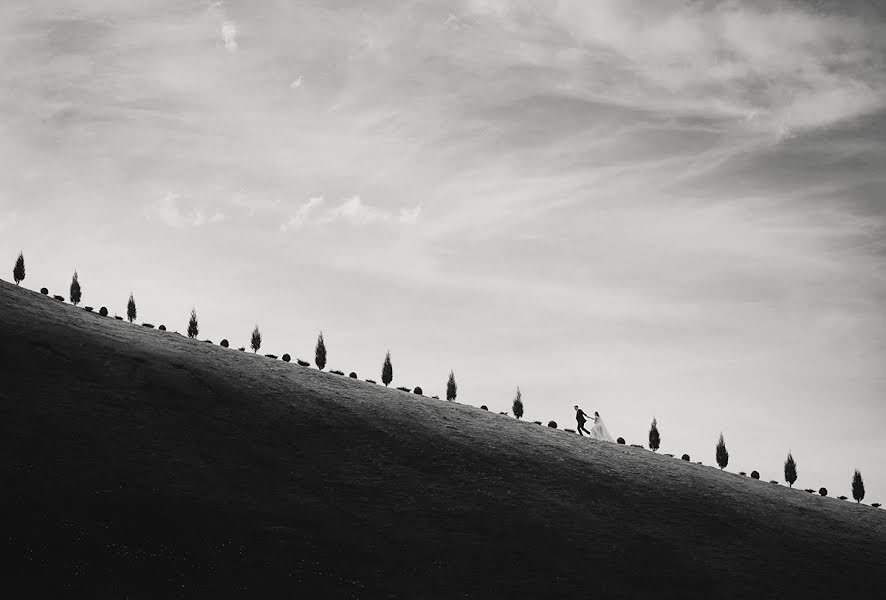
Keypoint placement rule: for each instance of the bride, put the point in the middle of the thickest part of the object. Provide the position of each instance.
(599, 431)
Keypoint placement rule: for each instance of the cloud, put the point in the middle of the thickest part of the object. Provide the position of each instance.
(297, 82)
(173, 210)
(229, 35)
(788, 66)
(356, 212)
(301, 215)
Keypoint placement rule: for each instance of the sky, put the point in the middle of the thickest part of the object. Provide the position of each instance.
(651, 208)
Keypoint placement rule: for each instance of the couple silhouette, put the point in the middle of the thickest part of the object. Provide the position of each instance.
(598, 430)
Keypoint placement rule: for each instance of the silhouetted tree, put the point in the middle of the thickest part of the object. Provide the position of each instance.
(193, 328)
(256, 339)
(517, 406)
(857, 487)
(654, 438)
(722, 453)
(75, 289)
(451, 387)
(387, 370)
(790, 470)
(18, 271)
(320, 353)
(130, 308)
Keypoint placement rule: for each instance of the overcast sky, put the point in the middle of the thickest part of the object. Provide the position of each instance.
(650, 208)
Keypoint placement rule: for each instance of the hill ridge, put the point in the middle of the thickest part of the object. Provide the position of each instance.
(129, 452)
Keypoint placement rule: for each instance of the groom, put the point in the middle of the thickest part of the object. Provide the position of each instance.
(581, 419)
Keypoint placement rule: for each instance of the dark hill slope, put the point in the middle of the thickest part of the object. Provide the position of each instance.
(139, 463)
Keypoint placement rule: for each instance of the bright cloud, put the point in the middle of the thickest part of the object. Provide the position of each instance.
(301, 215)
(229, 35)
(356, 212)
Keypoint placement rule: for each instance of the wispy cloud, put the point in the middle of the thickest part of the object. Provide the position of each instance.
(179, 213)
(352, 211)
(229, 33)
(301, 215)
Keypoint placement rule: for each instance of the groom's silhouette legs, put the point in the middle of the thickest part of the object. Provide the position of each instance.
(581, 427)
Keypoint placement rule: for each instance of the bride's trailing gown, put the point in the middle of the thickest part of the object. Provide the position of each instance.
(599, 431)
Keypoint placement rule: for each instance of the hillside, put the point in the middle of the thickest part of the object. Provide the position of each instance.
(138, 463)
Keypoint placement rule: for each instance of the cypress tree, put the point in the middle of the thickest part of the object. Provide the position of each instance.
(790, 470)
(256, 339)
(320, 353)
(75, 289)
(18, 272)
(451, 387)
(654, 437)
(130, 308)
(193, 328)
(517, 406)
(857, 487)
(387, 370)
(722, 453)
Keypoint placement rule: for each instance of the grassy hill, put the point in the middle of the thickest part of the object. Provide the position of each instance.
(138, 463)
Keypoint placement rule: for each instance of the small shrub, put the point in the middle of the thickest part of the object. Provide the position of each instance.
(88, 308)
(435, 397)
(225, 343)
(118, 317)
(44, 291)
(698, 463)
(621, 441)
(755, 475)
(404, 389)
(352, 375)
(417, 390)
(876, 505)
(809, 491)
(685, 457)
(302, 363)
(636, 445)
(370, 381)
(823, 491)
(774, 481)
(483, 407)
(148, 325)
(504, 414)
(537, 422)
(552, 424)
(336, 372)
(59, 298)
(286, 358)
(241, 349)
(271, 356)
(103, 311)
(669, 455)
(842, 498)
(162, 328)
(207, 341)
(568, 430)
(742, 473)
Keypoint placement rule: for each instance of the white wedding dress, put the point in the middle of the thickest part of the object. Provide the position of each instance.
(599, 431)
